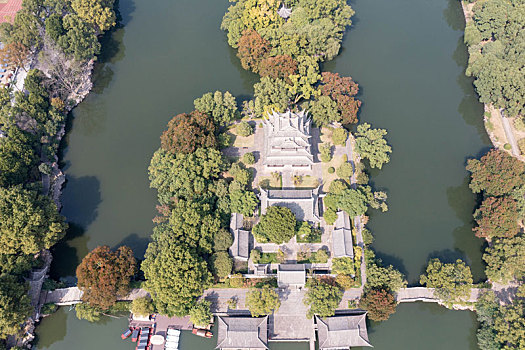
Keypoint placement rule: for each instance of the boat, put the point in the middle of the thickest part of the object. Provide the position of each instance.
(172, 339)
(135, 335)
(143, 343)
(202, 333)
(126, 333)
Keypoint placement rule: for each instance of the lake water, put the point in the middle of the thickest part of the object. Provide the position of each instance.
(407, 56)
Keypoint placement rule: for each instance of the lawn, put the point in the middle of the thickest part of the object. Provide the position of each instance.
(307, 181)
(270, 182)
(327, 177)
(268, 258)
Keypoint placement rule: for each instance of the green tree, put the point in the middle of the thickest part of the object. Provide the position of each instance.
(262, 301)
(379, 303)
(505, 259)
(497, 217)
(104, 276)
(15, 305)
(345, 170)
(18, 158)
(326, 152)
(175, 275)
(88, 312)
(188, 132)
(244, 129)
(243, 202)
(270, 94)
(344, 266)
(98, 13)
(55, 26)
(322, 298)
(324, 111)
(339, 136)
(496, 173)
(379, 277)
(248, 158)
(221, 106)
(240, 174)
(221, 264)
(80, 39)
(371, 144)
(29, 221)
(276, 226)
(452, 282)
(222, 240)
(142, 306)
(200, 314)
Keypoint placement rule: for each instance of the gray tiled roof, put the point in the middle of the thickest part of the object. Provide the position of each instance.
(291, 274)
(342, 236)
(241, 238)
(303, 203)
(342, 332)
(242, 333)
(287, 139)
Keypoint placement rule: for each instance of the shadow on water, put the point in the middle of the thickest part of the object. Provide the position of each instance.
(136, 243)
(395, 261)
(58, 329)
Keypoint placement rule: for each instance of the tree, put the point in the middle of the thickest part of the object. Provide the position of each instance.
(54, 26)
(240, 174)
(175, 275)
(98, 13)
(14, 55)
(270, 94)
(344, 266)
(104, 276)
(353, 202)
(276, 226)
(200, 314)
(17, 157)
(244, 129)
(29, 221)
(496, 173)
(497, 217)
(248, 158)
(341, 90)
(142, 306)
(187, 132)
(452, 282)
(252, 49)
(243, 202)
(222, 240)
(505, 259)
(15, 305)
(322, 298)
(379, 303)
(88, 312)
(345, 170)
(221, 106)
(324, 111)
(278, 67)
(379, 277)
(326, 152)
(262, 301)
(221, 264)
(80, 39)
(370, 144)
(339, 136)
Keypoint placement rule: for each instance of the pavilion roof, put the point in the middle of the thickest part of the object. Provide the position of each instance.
(342, 331)
(242, 333)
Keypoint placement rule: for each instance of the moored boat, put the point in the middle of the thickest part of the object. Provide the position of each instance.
(126, 333)
(202, 333)
(135, 334)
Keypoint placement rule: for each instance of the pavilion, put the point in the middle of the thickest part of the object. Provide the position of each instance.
(240, 249)
(342, 237)
(291, 275)
(242, 333)
(303, 203)
(287, 141)
(342, 331)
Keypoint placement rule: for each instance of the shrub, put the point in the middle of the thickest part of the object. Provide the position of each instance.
(507, 146)
(222, 264)
(142, 306)
(248, 158)
(255, 255)
(326, 152)
(519, 124)
(521, 145)
(321, 256)
(339, 136)
(345, 170)
(331, 170)
(48, 308)
(244, 129)
(236, 281)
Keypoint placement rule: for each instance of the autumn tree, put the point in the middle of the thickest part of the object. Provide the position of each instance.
(371, 144)
(252, 49)
(277, 67)
(452, 281)
(496, 173)
(14, 55)
(497, 217)
(342, 90)
(105, 275)
(187, 132)
(98, 13)
(262, 301)
(379, 303)
(29, 221)
(277, 225)
(322, 298)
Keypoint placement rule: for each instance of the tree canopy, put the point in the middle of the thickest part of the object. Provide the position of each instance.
(188, 132)
(104, 275)
(322, 298)
(497, 217)
(452, 281)
(200, 313)
(221, 106)
(505, 259)
(379, 303)
(371, 144)
(276, 226)
(262, 301)
(29, 221)
(15, 305)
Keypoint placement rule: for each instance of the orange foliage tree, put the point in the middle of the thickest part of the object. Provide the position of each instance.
(278, 67)
(104, 276)
(253, 48)
(14, 55)
(379, 303)
(342, 90)
(187, 132)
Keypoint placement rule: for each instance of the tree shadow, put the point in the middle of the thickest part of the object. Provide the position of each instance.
(395, 261)
(58, 320)
(248, 78)
(453, 14)
(124, 11)
(136, 243)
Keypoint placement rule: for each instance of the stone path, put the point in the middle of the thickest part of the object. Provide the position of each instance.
(508, 132)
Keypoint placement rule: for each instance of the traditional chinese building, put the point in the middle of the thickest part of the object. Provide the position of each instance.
(342, 331)
(242, 333)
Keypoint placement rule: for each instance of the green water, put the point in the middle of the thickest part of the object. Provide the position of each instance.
(407, 56)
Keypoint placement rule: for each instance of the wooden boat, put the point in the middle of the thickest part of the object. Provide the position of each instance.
(135, 335)
(126, 333)
(202, 333)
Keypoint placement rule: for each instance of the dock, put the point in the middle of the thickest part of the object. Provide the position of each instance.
(160, 325)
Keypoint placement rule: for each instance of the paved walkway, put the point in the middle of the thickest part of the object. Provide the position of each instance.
(508, 132)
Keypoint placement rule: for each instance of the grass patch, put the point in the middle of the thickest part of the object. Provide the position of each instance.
(306, 182)
(270, 182)
(268, 258)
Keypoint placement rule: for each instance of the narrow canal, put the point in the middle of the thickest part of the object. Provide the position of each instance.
(407, 56)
